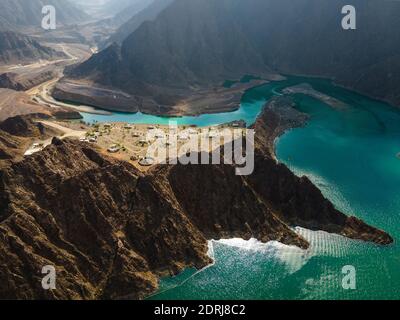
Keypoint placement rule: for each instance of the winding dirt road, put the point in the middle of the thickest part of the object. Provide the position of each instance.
(66, 133)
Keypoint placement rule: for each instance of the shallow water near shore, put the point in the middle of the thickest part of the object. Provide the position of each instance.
(350, 153)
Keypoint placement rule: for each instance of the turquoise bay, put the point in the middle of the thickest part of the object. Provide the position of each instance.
(350, 154)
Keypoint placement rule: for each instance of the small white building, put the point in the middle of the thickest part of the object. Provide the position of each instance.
(113, 149)
(147, 161)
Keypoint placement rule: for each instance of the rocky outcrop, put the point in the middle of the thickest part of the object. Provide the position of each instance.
(278, 116)
(16, 48)
(23, 82)
(8, 80)
(9, 147)
(22, 126)
(67, 114)
(112, 231)
(99, 97)
(17, 133)
(14, 103)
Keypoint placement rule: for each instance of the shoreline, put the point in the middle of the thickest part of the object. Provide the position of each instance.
(196, 104)
(95, 110)
(335, 82)
(282, 117)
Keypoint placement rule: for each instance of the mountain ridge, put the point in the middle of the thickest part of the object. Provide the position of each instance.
(18, 14)
(16, 48)
(149, 13)
(201, 43)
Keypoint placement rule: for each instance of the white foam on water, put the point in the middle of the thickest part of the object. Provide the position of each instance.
(293, 258)
(210, 251)
(323, 243)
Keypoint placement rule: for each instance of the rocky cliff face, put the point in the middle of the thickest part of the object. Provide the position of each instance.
(22, 126)
(111, 231)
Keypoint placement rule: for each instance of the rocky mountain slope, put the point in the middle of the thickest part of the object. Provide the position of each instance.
(123, 10)
(111, 231)
(10, 147)
(13, 103)
(149, 13)
(190, 43)
(17, 14)
(306, 37)
(16, 48)
(20, 82)
(16, 134)
(197, 43)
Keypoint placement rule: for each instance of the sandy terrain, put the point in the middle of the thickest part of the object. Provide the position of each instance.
(42, 95)
(42, 92)
(131, 142)
(31, 76)
(74, 53)
(14, 103)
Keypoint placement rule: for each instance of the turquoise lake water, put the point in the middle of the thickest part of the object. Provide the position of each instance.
(351, 155)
